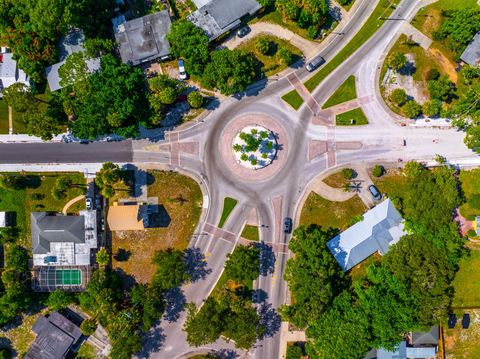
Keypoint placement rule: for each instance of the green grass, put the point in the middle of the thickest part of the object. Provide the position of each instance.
(3, 117)
(87, 351)
(293, 98)
(344, 93)
(467, 282)
(383, 9)
(470, 181)
(269, 63)
(353, 117)
(228, 206)
(318, 210)
(393, 183)
(251, 233)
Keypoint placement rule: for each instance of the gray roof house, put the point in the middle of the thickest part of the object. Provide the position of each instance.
(381, 227)
(56, 335)
(216, 17)
(9, 71)
(69, 44)
(471, 55)
(143, 39)
(59, 240)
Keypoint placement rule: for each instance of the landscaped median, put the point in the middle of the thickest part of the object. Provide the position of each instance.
(353, 117)
(376, 19)
(346, 92)
(293, 98)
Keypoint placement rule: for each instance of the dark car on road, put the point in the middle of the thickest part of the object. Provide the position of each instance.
(287, 225)
(375, 192)
(315, 63)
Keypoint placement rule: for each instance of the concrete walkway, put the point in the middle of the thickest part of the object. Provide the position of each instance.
(330, 193)
(71, 202)
(416, 35)
(289, 336)
(10, 120)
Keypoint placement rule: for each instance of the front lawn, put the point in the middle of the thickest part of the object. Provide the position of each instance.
(270, 63)
(355, 117)
(293, 98)
(251, 233)
(228, 206)
(470, 181)
(336, 180)
(393, 183)
(3, 117)
(344, 93)
(182, 199)
(467, 282)
(341, 215)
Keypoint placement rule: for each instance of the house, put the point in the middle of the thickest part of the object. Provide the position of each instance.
(3, 220)
(9, 71)
(416, 345)
(136, 216)
(143, 39)
(69, 44)
(471, 55)
(56, 335)
(381, 227)
(63, 249)
(216, 17)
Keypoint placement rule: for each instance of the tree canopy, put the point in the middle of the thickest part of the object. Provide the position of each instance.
(243, 264)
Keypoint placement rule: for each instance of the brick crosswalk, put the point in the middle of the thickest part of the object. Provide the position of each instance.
(304, 93)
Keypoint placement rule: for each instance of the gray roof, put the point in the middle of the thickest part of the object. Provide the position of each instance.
(70, 43)
(144, 39)
(381, 227)
(399, 353)
(53, 77)
(55, 336)
(219, 16)
(426, 338)
(471, 55)
(57, 228)
(477, 220)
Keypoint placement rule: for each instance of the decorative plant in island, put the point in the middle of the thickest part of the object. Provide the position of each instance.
(255, 147)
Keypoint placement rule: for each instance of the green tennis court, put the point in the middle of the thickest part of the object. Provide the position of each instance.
(68, 277)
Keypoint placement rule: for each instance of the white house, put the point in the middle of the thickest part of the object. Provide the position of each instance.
(9, 71)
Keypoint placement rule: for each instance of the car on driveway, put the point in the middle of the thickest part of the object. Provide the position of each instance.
(375, 192)
(287, 225)
(181, 70)
(243, 31)
(89, 203)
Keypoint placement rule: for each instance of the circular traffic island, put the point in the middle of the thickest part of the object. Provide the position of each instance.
(255, 147)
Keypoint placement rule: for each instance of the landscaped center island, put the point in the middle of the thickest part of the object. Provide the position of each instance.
(255, 147)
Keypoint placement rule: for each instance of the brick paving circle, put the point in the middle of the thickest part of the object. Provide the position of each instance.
(232, 129)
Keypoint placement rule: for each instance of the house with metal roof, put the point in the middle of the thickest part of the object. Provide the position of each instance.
(55, 336)
(69, 44)
(381, 227)
(143, 39)
(471, 55)
(216, 17)
(9, 71)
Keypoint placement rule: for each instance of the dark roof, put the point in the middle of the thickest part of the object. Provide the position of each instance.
(56, 228)
(219, 16)
(145, 38)
(471, 55)
(55, 336)
(426, 338)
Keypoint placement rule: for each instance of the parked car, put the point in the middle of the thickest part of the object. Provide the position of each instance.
(243, 31)
(316, 62)
(375, 192)
(98, 201)
(287, 225)
(181, 70)
(89, 203)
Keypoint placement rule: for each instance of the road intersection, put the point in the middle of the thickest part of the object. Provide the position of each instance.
(312, 145)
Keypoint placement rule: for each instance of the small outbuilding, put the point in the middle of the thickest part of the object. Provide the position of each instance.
(3, 220)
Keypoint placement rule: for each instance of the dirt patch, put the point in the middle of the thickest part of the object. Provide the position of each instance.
(432, 20)
(445, 64)
(463, 343)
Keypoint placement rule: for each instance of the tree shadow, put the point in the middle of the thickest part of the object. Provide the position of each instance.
(152, 342)
(6, 343)
(408, 70)
(195, 263)
(224, 354)
(267, 259)
(174, 304)
(127, 280)
(270, 319)
(259, 296)
(122, 255)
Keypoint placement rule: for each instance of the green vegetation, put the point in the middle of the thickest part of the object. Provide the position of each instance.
(344, 93)
(470, 181)
(228, 206)
(243, 264)
(467, 282)
(3, 117)
(381, 11)
(272, 53)
(378, 171)
(87, 351)
(355, 117)
(293, 98)
(327, 214)
(251, 233)
(108, 179)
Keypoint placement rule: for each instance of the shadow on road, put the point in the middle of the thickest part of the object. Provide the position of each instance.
(195, 263)
(267, 259)
(269, 318)
(151, 342)
(174, 303)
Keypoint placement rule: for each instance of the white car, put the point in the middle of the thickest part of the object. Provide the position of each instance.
(89, 203)
(181, 70)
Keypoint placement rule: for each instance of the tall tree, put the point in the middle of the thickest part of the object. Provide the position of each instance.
(243, 264)
(171, 270)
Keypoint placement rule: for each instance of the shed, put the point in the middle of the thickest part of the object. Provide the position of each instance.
(126, 217)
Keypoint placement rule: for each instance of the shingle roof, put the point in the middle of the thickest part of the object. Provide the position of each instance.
(144, 39)
(53, 77)
(426, 338)
(381, 227)
(471, 55)
(399, 353)
(58, 228)
(219, 16)
(9, 71)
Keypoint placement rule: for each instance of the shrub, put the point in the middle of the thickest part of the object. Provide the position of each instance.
(398, 97)
(195, 99)
(471, 233)
(412, 109)
(347, 173)
(6, 353)
(377, 171)
(397, 60)
(413, 169)
(474, 201)
(432, 75)
(432, 108)
(285, 55)
(88, 326)
(263, 45)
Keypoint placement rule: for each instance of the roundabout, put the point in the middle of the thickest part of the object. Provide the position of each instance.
(253, 147)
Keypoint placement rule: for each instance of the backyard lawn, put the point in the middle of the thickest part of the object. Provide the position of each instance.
(467, 282)
(322, 212)
(133, 250)
(355, 117)
(251, 233)
(270, 63)
(228, 206)
(470, 181)
(463, 343)
(3, 117)
(293, 98)
(344, 93)
(22, 201)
